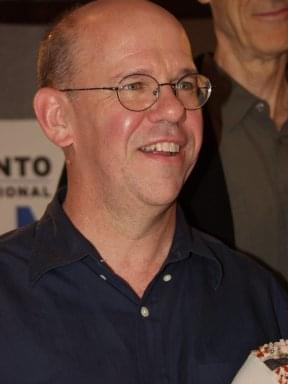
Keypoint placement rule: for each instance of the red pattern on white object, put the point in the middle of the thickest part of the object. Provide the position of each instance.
(275, 356)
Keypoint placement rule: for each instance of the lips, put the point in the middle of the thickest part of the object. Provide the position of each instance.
(272, 13)
(165, 148)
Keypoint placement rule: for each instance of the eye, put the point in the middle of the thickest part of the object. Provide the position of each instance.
(186, 85)
(135, 86)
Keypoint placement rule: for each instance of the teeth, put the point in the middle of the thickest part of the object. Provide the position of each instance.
(162, 147)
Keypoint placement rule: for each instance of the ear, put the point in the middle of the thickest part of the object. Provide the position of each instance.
(53, 110)
(204, 1)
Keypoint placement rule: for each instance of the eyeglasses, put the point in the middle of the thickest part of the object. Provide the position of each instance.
(139, 92)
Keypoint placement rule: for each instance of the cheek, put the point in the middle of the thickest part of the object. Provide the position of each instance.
(120, 126)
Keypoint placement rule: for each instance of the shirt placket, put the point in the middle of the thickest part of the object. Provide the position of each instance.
(149, 352)
(151, 361)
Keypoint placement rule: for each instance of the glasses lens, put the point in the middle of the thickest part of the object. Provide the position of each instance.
(137, 92)
(193, 90)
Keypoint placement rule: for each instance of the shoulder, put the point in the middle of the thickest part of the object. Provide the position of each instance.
(247, 284)
(17, 244)
(237, 267)
(18, 235)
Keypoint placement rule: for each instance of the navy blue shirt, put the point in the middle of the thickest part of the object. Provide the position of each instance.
(66, 318)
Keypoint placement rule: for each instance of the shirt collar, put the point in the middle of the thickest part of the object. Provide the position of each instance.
(189, 242)
(229, 102)
(57, 243)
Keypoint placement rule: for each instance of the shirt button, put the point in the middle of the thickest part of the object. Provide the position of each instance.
(260, 107)
(167, 277)
(144, 311)
(103, 277)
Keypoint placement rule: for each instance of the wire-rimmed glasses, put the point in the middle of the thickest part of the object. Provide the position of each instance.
(138, 92)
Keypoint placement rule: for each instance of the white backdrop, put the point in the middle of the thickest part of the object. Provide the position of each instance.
(30, 167)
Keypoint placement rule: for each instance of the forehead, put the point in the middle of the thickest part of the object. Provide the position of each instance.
(136, 40)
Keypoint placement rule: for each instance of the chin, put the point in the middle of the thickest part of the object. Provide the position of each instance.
(164, 196)
(273, 44)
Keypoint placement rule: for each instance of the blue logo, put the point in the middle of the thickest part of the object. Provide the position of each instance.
(24, 216)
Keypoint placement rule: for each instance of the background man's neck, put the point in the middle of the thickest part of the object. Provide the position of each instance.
(265, 77)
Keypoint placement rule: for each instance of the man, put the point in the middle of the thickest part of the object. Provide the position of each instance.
(239, 191)
(111, 285)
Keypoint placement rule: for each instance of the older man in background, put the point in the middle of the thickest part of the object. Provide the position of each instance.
(239, 189)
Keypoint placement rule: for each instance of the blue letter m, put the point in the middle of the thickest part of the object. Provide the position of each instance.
(24, 216)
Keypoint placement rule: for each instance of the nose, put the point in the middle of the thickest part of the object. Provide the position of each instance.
(167, 107)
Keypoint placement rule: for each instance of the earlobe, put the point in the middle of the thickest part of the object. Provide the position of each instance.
(52, 111)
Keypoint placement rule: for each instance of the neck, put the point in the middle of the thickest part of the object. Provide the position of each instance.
(134, 243)
(265, 77)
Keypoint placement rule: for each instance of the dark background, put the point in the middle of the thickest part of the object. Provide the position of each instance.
(39, 11)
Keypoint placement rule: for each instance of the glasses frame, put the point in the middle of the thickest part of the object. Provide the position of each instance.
(156, 92)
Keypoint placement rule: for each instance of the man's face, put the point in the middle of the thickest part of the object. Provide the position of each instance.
(260, 26)
(113, 144)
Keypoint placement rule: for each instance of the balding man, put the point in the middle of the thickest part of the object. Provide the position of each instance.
(111, 285)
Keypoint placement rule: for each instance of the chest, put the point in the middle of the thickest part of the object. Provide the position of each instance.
(95, 329)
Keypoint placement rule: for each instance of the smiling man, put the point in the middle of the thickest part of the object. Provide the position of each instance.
(111, 285)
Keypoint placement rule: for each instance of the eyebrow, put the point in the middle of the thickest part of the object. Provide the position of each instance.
(141, 71)
(186, 71)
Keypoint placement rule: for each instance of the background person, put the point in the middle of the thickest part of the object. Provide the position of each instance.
(239, 189)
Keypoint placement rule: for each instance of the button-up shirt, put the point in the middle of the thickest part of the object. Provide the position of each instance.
(66, 318)
(254, 155)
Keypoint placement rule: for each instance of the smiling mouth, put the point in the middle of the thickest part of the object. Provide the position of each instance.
(278, 12)
(165, 148)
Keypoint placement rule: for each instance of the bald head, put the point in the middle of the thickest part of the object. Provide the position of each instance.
(118, 10)
(63, 51)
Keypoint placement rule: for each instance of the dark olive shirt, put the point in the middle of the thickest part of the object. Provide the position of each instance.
(253, 154)
(65, 318)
